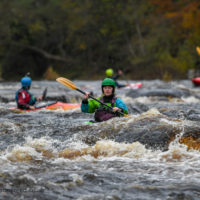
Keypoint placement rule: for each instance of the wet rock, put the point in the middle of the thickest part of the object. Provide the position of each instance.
(149, 131)
(176, 112)
(181, 111)
(154, 130)
(191, 131)
(4, 99)
(178, 93)
(191, 138)
(137, 108)
(153, 135)
(193, 115)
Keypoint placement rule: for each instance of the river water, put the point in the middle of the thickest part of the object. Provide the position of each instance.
(151, 154)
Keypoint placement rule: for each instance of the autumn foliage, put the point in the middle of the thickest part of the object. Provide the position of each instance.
(80, 39)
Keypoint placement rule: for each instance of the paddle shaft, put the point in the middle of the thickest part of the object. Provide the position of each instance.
(43, 106)
(98, 101)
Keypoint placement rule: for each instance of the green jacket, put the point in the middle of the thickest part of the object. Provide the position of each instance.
(92, 105)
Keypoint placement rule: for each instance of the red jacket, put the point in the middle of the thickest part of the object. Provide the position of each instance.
(24, 98)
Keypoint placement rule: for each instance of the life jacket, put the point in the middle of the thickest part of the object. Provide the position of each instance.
(24, 99)
(103, 113)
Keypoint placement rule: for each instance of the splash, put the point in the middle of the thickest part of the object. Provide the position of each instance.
(191, 142)
(191, 100)
(107, 148)
(23, 154)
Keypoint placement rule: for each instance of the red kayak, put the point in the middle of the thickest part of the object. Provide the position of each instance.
(196, 81)
(54, 106)
(133, 86)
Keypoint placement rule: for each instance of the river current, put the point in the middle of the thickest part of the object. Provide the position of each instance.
(154, 153)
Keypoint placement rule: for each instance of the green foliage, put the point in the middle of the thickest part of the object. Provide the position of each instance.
(150, 39)
(50, 74)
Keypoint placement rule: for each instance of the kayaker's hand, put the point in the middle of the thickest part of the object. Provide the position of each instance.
(85, 100)
(31, 107)
(39, 98)
(115, 109)
(86, 95)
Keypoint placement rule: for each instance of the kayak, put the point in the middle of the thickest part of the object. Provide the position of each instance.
(61, 105)
(53, 106)
(196, 81)
(90, 122)
(133, 86)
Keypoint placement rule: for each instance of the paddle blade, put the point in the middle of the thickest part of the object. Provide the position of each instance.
(198, 50)
(44, 94)
(67, 83)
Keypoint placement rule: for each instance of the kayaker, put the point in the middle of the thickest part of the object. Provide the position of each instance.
(102, 113)
(110, 74)
(24, 99)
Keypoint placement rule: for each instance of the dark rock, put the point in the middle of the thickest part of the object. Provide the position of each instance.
(158, 92)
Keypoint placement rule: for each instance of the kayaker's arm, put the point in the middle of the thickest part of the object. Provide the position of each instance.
(115, 77)
(122, 105)
(89, 106)
(84, 106)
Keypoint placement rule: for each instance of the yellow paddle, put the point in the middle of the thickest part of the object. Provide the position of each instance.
(198, 50)
(71, 85)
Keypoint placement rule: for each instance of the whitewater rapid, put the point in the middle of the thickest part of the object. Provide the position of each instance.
(54, 154)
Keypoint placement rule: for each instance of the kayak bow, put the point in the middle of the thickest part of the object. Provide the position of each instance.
(53, 106)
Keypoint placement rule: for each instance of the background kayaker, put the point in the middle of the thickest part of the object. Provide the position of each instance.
(24, 99)
(110, 74)
(102, 113)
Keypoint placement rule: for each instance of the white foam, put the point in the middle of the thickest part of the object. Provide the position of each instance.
(191, 99)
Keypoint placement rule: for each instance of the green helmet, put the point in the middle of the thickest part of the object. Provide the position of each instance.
(108, 82)
(109, 72)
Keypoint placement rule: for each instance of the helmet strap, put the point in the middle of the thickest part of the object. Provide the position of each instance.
(26, 88)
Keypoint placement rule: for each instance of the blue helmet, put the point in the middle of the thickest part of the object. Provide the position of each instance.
(26, 81)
